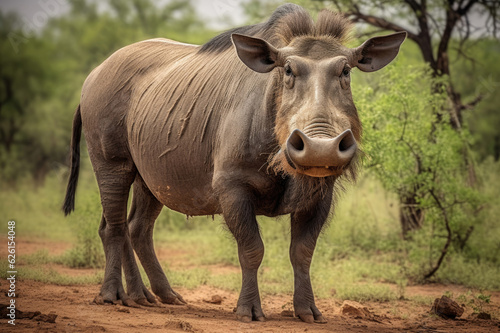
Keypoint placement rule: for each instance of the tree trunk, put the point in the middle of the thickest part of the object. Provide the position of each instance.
(410, 215)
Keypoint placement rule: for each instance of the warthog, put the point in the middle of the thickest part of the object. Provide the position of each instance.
(258, 121)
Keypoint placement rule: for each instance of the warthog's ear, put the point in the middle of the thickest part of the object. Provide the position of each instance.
(256, 53)
(377, 52)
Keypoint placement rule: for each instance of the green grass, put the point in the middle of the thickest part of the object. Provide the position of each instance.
(480, 276)
(42, 273)
(366, 292)
(37, 209)
(422, 300)
(40, 257)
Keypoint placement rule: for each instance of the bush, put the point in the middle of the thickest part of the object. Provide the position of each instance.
(412, 149)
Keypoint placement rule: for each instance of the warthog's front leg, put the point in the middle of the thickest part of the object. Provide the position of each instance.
(239, 215)
(305, 229)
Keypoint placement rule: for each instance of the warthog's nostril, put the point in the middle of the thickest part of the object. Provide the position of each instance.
(347, 142)
(296, 140)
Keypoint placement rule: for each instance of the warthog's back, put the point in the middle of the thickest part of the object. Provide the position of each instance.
(167, 106)
(109, 90)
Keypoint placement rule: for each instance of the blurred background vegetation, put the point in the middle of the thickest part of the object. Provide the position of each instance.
(426, 207)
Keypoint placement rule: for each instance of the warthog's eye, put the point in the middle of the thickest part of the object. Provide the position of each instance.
(346, 71)
(289, 77)
(345, 77)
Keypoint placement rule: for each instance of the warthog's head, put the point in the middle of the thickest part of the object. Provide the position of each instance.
(317, 124)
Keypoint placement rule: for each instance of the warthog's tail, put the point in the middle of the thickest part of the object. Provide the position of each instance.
(69, 200)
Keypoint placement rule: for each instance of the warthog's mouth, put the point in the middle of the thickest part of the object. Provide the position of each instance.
(314, 171)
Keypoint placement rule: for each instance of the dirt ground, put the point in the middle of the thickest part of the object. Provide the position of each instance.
(76, 312)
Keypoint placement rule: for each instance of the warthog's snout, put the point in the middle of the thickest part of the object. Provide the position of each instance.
(305, 153)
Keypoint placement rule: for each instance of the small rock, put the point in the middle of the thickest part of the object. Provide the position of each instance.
(287, 313)
(122, 309)
(37, 315)
(216, 299)
(47, 318)
(179, 325)
(354, 309)
(484, 315)
(446, 308)
(27, 315)
(185, 326)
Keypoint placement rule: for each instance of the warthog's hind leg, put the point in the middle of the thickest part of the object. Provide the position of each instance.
(114, 182)
(145, 209)
(135, 286)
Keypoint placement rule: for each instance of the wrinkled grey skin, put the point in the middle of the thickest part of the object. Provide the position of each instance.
(197, 131)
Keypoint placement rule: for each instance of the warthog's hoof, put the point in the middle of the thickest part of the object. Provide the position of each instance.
(248, 319)
(113, 292)
(172, 297)
(146, 302)
(310, 315)
(250, 313)
(311, 319)
(127, 301)
(142, 296)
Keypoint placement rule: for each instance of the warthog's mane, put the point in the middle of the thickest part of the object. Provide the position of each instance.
(286, 23)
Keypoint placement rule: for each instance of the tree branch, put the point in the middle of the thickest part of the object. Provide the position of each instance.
(370, 33)
(381, 23)
(414, 5)
(466, 8)
(448, 230)
(472, 103)
(463, 241)
(424, 36)
(452, 17)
